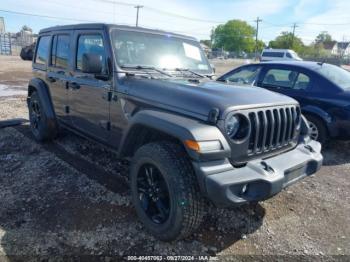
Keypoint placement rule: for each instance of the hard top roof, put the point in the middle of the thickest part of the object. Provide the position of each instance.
(102, 26)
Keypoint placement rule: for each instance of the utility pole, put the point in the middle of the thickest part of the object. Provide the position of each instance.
(137, 14)
(293, 35)
(258, 20)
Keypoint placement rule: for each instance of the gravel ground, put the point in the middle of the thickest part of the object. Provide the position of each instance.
(70, 197)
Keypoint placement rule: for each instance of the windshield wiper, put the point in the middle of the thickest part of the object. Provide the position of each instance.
(140, 67)
(192, 72)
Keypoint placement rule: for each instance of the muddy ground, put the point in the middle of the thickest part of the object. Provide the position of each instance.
(70, 197)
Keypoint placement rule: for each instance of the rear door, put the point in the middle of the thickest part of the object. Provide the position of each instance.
(88, 94)
(58, 72)
(290, 81)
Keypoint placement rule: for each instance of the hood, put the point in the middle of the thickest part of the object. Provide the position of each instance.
(200, 98)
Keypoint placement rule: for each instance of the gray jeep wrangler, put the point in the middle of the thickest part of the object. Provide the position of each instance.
(190, 141)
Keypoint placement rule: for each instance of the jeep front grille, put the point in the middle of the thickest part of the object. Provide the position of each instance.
(272, 129)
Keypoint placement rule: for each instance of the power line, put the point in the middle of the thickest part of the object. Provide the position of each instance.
(163, 12)
(46, 16)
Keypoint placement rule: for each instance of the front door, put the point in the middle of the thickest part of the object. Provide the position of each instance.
(88, 94)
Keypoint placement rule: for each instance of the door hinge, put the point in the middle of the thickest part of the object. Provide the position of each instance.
(67, 109)
(108, 126)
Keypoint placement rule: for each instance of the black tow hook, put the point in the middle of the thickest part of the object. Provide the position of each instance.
(308, 147)
(266, 167)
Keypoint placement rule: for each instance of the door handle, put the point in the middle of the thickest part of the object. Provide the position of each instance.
(51, 79)
(74, 85)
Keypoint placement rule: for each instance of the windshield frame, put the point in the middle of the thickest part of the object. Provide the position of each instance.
(113, 31)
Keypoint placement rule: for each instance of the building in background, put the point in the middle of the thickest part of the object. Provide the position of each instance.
(12, 43)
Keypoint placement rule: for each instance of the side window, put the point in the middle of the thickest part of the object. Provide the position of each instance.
(90, 44)
(280, 78)
(42, 50)
(60, 51)
(273, 54)
(288, 55)
(246, 75)
(302, 82)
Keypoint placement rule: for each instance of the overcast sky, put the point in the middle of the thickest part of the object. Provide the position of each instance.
(311, 16)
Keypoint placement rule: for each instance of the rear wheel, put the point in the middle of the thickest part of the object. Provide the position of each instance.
(38, 120)
(318, 130)
(165, 191)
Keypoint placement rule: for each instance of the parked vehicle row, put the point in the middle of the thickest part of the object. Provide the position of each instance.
(148, 95)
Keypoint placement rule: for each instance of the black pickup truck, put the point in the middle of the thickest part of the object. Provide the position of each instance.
(148, 95)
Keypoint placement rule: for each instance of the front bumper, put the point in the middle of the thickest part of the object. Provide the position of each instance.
(226, 185)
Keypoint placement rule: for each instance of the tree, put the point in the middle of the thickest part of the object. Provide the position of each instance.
(323, 38)
(261, 46)
(235, 35)
(206, 42)
(284, 41)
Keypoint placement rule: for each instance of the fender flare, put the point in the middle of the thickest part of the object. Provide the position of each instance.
(181, 128)
(323, 115)
(41, 88)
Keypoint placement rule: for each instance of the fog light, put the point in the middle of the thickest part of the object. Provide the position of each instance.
(244, 189)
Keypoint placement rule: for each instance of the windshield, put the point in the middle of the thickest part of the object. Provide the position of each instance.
(336, 74)
(164, 52)
(294, 55)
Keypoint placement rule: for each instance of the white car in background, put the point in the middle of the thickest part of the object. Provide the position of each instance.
(279, 54)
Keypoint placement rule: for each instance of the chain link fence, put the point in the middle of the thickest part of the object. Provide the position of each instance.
(12, 43)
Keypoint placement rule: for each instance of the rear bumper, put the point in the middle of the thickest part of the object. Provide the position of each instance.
(227, 186)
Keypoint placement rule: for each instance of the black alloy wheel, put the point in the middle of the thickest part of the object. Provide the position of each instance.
(153, 194)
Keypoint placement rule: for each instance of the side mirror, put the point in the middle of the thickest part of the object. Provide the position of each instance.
(92, 63)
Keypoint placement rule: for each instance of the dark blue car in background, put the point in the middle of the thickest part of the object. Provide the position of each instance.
(323, 91)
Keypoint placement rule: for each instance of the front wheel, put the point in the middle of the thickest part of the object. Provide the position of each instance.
(165, 191)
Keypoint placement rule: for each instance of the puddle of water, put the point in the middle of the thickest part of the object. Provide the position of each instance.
(7, 90)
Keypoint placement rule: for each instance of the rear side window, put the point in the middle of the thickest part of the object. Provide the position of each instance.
(90, 44)
(273, 54)
(60, 51)
(42, 50)
(280, 78)
(303, 82)
(288, 55)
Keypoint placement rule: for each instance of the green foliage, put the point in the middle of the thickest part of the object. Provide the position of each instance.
(323, 38)
(235, 35)
(286, 41)
(313, 51)
(261, 46)
(206, 42)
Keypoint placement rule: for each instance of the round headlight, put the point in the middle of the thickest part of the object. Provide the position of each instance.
(237, 127)
(232, 126)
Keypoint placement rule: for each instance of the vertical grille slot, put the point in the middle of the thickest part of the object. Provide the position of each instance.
(277, 127)
(272, 129)
(283, 127)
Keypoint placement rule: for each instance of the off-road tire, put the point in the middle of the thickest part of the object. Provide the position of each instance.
(187, 206)
(321, 128)
(41, 130)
